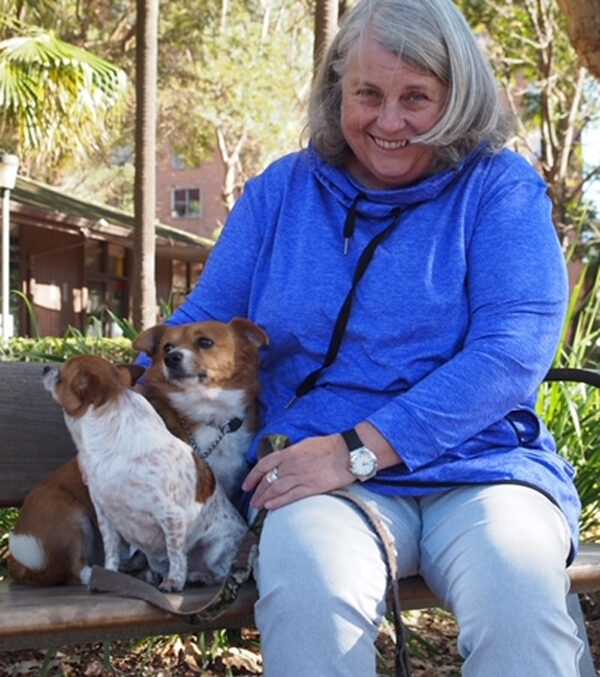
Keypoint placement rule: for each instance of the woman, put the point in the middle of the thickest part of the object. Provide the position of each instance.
(408, 274)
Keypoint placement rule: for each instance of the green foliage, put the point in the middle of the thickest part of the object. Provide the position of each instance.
(551, 96)
(74, 342)
(51, 349)
(572, 411)
(30, 311)
(128, 331)
(8, 519)
(209, 100)
(56, 99)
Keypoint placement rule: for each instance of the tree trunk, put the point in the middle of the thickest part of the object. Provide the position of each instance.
(231, 161)
(326, 21)
(583, 23)
(144, 246)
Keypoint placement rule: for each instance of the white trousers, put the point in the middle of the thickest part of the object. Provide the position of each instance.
(494, 554)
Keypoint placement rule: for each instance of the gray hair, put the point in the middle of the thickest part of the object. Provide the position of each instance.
(434, 37)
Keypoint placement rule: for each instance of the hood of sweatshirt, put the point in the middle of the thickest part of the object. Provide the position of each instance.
(381, 203)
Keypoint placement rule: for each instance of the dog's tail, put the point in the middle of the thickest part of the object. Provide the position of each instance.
(30, 563)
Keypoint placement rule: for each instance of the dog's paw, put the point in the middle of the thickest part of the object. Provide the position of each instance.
(85, 575)
(170, 585)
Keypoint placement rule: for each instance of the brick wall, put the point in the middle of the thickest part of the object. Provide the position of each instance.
(208, 177)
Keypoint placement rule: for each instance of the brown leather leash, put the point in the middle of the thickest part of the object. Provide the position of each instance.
(118, 583)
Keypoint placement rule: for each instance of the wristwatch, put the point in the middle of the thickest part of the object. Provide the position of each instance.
(363, 462)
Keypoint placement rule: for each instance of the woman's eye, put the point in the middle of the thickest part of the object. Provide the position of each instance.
(417, 97)
(368, 94)
(204, 343)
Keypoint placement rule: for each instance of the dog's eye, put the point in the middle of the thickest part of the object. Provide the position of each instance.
(168, 347)
(205, 343)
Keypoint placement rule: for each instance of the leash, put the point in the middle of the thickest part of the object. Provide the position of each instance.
(115, 582)
(119, 583)
(401, 657)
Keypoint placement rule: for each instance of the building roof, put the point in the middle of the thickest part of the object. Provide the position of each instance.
(35, 203)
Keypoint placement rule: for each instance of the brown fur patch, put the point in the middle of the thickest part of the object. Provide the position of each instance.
(58, 507)
(231, 362)
(206, 483)
(87, 380)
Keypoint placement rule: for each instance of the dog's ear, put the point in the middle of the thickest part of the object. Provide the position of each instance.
(130, 373)
(252, 332)
(86, 387)
(149, 340)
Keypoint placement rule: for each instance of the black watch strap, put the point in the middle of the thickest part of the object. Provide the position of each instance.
(352, 439)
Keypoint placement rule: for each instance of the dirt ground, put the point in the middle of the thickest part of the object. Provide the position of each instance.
(432, 637)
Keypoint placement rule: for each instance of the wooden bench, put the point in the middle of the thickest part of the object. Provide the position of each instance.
(34, 442)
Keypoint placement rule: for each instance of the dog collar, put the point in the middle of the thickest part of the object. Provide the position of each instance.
(228, 427)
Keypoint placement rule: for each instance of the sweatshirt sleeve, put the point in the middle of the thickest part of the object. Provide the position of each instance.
(517, 291)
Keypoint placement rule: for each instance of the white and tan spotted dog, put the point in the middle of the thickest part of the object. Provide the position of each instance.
(148, 487)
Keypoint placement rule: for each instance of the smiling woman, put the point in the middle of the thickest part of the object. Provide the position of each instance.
(437, 293)
(385, 103)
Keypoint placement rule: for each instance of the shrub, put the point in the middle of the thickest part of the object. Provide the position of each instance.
(572, 411)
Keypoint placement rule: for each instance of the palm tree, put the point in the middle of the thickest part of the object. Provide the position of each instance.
(55, 98)
(326, 22)
(144, 248)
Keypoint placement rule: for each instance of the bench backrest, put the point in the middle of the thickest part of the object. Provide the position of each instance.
(34, 440)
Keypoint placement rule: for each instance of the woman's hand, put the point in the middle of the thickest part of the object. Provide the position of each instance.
(314, 466)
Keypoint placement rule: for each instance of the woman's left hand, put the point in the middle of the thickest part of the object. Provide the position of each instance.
(315, 465)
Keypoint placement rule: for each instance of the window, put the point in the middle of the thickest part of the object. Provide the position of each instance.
(178, 162)
(187, 203)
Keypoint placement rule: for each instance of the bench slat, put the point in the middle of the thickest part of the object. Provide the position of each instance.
(54, 616)
(47, 617)
(34, 436)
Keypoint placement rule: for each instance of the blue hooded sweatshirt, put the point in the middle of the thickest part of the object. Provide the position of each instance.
(452, 328)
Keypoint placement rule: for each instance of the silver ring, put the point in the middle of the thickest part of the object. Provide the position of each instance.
(272, 476)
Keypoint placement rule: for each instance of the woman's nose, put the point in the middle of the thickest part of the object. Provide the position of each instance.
(391, 116)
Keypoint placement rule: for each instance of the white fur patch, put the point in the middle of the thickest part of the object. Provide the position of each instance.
(200, 405)
(27, 550)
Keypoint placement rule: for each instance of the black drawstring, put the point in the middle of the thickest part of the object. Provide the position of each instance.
(343, 316)
(350, 224)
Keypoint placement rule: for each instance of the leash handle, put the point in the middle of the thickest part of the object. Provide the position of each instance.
(401, 657)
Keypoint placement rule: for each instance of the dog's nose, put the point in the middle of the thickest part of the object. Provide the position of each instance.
(46, 370)
(173, 358)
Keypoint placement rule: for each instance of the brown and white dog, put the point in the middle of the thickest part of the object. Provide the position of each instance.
(56, 537)
(204, 381)
(147, 487)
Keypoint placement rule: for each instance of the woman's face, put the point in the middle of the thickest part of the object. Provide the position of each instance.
(385, 102)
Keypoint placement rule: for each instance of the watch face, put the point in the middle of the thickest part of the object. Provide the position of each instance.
(363, 463)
